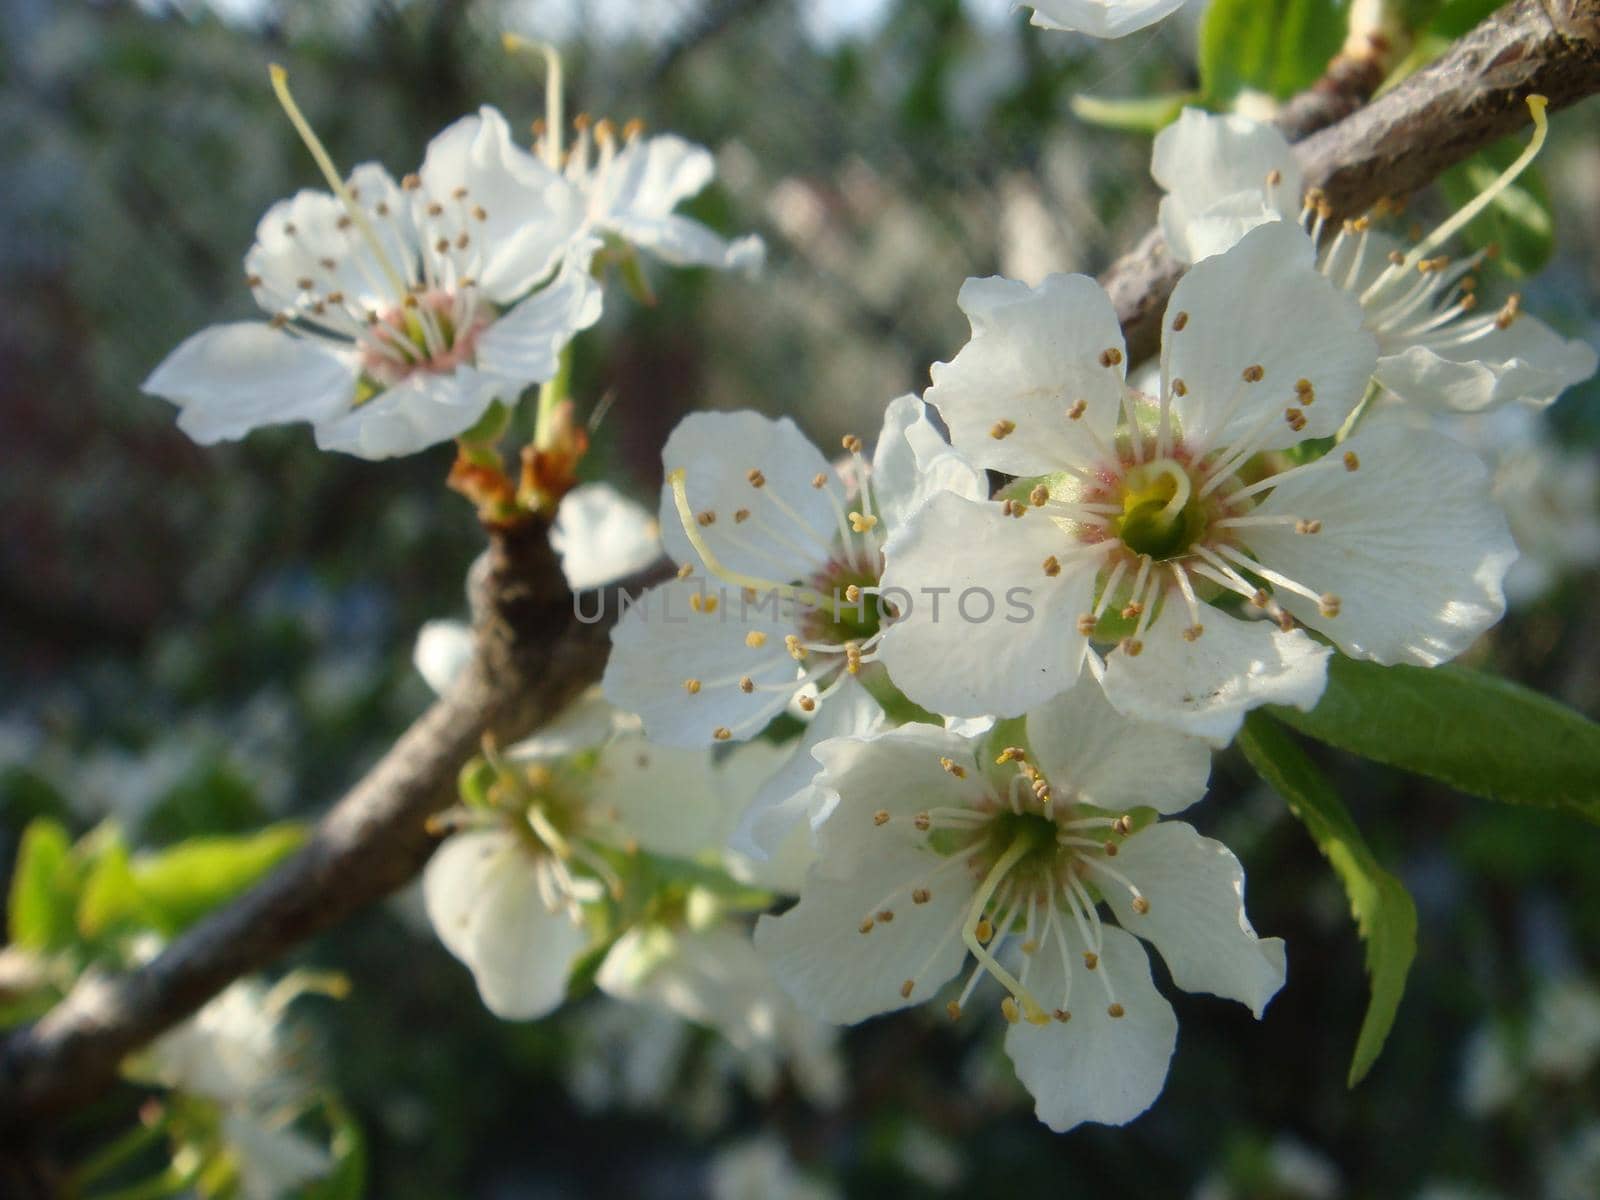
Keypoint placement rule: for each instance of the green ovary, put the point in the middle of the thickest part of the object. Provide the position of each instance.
(1160, 516)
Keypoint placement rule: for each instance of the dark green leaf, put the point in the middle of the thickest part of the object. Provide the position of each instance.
(1481, 734)
(1279, 47)
(1383, 909)
(183, 883)
(44, 888)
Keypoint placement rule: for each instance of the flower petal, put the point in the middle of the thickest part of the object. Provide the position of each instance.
(483, 900)
(1095, 1067)
(1260, 319)
(272, 1160)
(1527, 362)
(442, 652)
(1204, 687)
(912, 462)
(1215, 170)
(1100, 18)
(1196, 919)
(1412, 544)
(419, 411)
(662, 643)
(524, 346)
(1092, 754)
(1034, 353)
(531, 214)
(602, 536)
(588, 723)
(958, 560)
(790, 527)
(660, 797)
(230, 379)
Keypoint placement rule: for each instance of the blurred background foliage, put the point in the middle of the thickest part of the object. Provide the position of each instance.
(202, 642)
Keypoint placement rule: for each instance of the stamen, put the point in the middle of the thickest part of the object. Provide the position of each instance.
(1015, 853)
(553, 108)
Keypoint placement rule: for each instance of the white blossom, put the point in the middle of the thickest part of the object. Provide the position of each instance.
(938, 850)
(790, 612)
(1100, 18)
(1164, 544)
(1224, 175)
(602, 536)
(399, 312)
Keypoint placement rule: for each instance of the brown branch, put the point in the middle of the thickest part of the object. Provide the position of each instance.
(1469, 98)
(533, 655)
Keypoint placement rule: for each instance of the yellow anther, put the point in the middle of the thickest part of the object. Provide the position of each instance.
(953, 1010)
(1141, 905)
(861, 523)
(984, 930)
(1002, 429)
(954, 768)
(807, 704)
(755, 639)
(756, 478)
(1351, 462)
(851, 443)
(1008, 1009)
(1077, 409)
(905, 989)
(1115, 1011)
(692, 686)
(1011, 754)
(1091, 960)
(1179, 321)
(866, 925)
(1039, 496)
(1193, 633)
(722, 733)
(1052, 566)
(1111, 357)
(920, 895)
(881, 817)
(819, 481)
(1329, 605)
(703, 602)
(746, 684)
(1254, 373)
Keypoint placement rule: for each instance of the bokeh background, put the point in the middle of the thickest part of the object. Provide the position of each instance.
(204, 640)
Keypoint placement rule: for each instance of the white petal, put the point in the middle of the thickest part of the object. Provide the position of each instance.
(602, 536)
(1100, 18)
(1264, 304)
(839, 974)
(1002, 637)
(1092, 754)
(663, 798)
(1095, 1067)
(1528, 362)
(1034, 353)
(717, 452)
(912, 462)
(661, 643)
(1195, 887)
(588, 723)
(1205, 687)
(420, 411)
(791, 801)
(272, 1162)
(687, 243)
(1411, 544)
(483, 900)
(524, 346)
(1215, 170)
(230, 379)
(532, 214)
(651, 176)
(442, 652)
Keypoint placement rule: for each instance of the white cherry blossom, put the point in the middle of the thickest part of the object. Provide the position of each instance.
(398, 311)
(939, 849)
(1165, 545)
(1224, 175)
(603, 536)
(790, 612)
(1100, 18)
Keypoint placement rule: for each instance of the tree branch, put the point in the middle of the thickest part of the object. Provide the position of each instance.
(533, 655)
(1469, 98)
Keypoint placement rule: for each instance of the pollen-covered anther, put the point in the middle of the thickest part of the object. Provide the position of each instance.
(1012, 508)
(1062, 1015)
(705, 519)
(852, 593)
(746, 684)
(1306, 393)
(923, 822)
(1509, 312)
(952, 767)
(1329, 605)
(953, 1010)
(722, 733)
(741, 515)
(692, 686)
(1111, 357)
(480, 213)
(703, 602)
(807, 704)
(1308, 526)
(1141, 906)
(1254, 373)
(1091, 960)
(1131, 610)
(1052, 566)
(819, 480)
(1131, 646)
(984, 930)
(686, 570)
(1180, 388)
(1008, 1009)
(791, 643)
(1179, 321)
(862, 522)
(1295, 418)
(756, 478)
(881, 817)
(1002, 429)
(1122, 825)
(851, 443)
(1110, 849)
(866, 925)
(1285, 621)
(852, 658)
(1193, 633)
(921, 895)
(886, 916)
(905, 989)
(1116, 1011)
(1351, 461)
(1077, 409)
(1396, 258)
(1086, 624)
(1011, 754)
(755, 639)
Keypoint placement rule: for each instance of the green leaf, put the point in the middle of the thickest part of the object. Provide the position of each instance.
(111, 897)
(1279, 47)
(1383, 909)
(1137, 114)
(1518, 220)
(1481, 734)
(1456, 17)
(43, 902)
(185, 882)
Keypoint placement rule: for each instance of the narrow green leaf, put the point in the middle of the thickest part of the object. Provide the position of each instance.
(1481, 734)
(44, 888)
(183, 883)
(1279, 47)
(1137, 114)
(111, 897)
(1383, 909)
